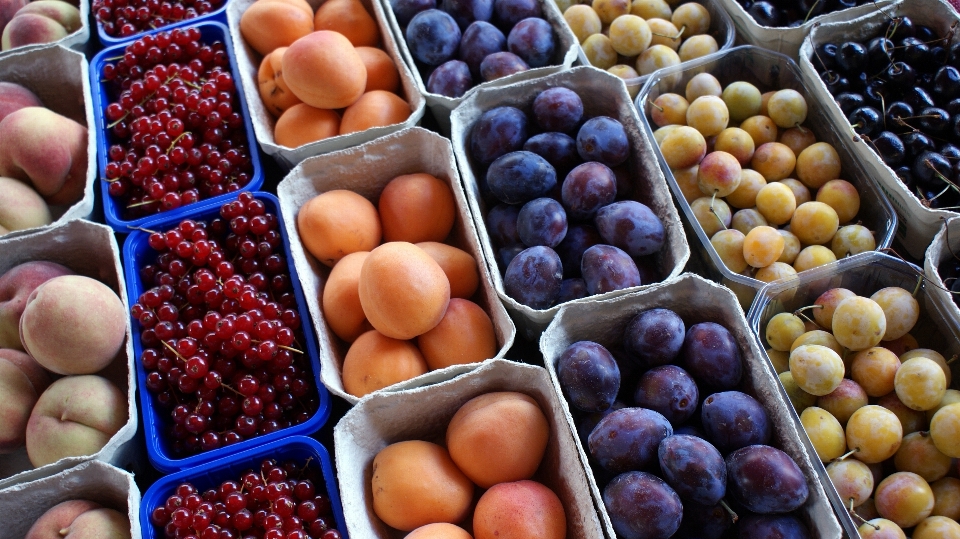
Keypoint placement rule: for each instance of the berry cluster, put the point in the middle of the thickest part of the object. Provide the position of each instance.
(175, 124)
(220, 330)
(124, 18)
(271, 504)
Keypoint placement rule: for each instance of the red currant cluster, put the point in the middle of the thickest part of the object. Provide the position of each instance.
(124, 18)
(176, 127)
(267, 505)
(220, 330)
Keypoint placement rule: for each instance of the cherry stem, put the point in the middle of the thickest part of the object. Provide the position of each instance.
(810, 11)
(174, 350)
(799, 313)
(733, 515)
(797, 125)
(916, 289)
(847, 454)
(714, 212)
(235, 391)
(142, 203)
(860, 518)
(175, 141)
(280, 346)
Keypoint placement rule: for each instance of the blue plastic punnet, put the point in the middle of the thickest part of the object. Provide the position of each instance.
(217, 15)
(138, 253)
(209, 32)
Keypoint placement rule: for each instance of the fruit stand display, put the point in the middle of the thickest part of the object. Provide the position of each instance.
(404, 268)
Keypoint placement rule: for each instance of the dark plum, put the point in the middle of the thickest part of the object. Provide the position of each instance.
(404, 10)
(606, 268)
(433, 37)
(480, 39)
(852, 57)
(631, 226)
(559, 149)
(542, 221)
(510, 12)
(502, 225)
(558, 109)
(767, 526)
(533, 41)
(670, 390)
(765, 480)
(571, 289)
(694, 468)
(498, 132)
(712, 356)
(587, 188)
(501, 64)
(505, 255)
(579, 238)
(642, 506)
(518, 177)
(703, 521)
(732, 420)
(690, 429)
(588, 422)
(450, 79)
(655, 336)
(603, 139)
(533, 277)
(465, 12)
(589, 376)
(628, 439)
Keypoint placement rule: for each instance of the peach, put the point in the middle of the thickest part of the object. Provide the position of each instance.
(93, 523)
(29, 29)
(12, 95)
(458, 265)
(21, 207)
(59, 517)
(374, 109)
(439, 530)
(464, 335)
(17, 397)
(75, 416)
(382, 73)
(341, 298)
(66, 15)
(302, 124)
(349, 18)
(375, 361)
(324, 70)
(519, 510)
(274, 92)
(46, 149)
(16, 285)
(39, 378)
(9, 8)
(73, 325)
(266, 26)
(498, 437)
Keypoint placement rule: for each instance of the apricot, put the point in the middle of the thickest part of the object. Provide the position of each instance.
(349, 18)
(274, 92)
(382, 73)
(377, 108)
(341, 298)
(374, 362)
(439, 530)
(303, 5)
(415, 483)
(403, 291)
(302, 124)
(266, 26)
(416, 208)
(336, 223)
(458, 265)
(498, 437)
(324, 70)
(464, 335)
(519, 510)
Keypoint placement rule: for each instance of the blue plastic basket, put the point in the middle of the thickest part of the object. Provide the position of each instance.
(136, 252)
(209, 32)
(211, 475)
(217, 15)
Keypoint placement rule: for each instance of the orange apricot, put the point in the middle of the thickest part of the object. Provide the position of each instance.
(382, 74)
(519, 510)
(378, 108)
(458, 265)
(415, 208)
(324, 70)
(274, 92)
(351, 19)
(266, 26)
(341, 298)
(439, 530)
(301, 4)
(403, 291)
(336, 223)
(302, 124)
(464, 335)
(375, 361)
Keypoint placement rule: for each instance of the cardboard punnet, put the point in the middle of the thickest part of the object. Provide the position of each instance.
(442, 106)
(77, 40)
(918, 223)
(602, 94)
(382, 419)
(768, 71)
(88, 249)
(787, 40)
(60, 78)
(943, 247)
(366, 170)
(862, 274)
(21, 505)
(248, 63)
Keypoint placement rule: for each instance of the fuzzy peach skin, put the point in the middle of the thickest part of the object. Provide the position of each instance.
(59, 517)
(80, 519)
(12, 95)
(16, 285)
(21, 207)
(46, 149)
(9, 8)
(17, 397)
(73, 325)
(38, 376)
(63, 13)
(75, 416)
(31, 29)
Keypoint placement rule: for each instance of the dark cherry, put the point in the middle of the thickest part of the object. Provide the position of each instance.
(931, 171)
(890, 148)
(934, 120)
(896, 110)
(766, 14)
(946, 83)
(850, 101)
(880, 52)
(852, 57)
(900, 74)
(866, 121)
(917, 143)
(825, 57)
